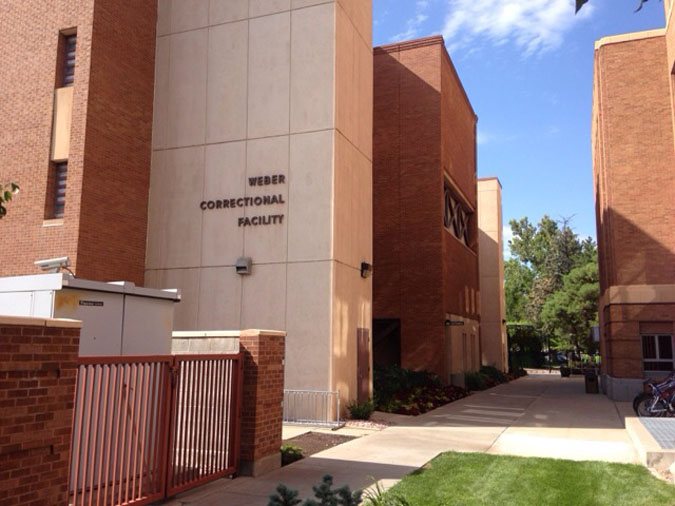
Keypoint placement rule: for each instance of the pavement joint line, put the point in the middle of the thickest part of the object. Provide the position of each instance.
(499, 436)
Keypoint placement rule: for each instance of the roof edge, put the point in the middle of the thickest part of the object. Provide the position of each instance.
(629, 37)
(410, 44)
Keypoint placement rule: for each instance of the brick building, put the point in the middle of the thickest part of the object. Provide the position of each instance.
(426, 284)
(79, 81)
(634, 182)
(169, 142)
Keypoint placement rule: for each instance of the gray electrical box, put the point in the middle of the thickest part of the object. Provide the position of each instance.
(118, 318)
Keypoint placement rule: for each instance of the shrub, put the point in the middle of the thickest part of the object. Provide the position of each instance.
(342, 496)
(408, 392)
(392, 380)
(361, 411)
(494, 374)
(475, 381)
(290, 453)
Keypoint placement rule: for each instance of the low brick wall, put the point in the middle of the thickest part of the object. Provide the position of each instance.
(262, 408)
(38, 367)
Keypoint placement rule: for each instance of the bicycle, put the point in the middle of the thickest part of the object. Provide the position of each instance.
(659, 402)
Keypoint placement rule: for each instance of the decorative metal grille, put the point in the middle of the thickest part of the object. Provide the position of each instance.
(456, 218)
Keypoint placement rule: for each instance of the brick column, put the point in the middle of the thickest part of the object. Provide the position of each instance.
(263, 393)
(38, 367)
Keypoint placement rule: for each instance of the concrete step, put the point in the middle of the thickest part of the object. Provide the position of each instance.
(650, 452)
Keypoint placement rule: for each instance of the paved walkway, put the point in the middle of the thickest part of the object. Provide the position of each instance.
(539, 415)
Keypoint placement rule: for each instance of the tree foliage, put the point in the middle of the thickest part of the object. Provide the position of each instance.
(324, 492)
(6, 194)
(580, 4)
(543, 257)
(518, 281)
(570, 312)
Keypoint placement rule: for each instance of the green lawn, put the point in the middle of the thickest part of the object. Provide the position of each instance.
(480, 479)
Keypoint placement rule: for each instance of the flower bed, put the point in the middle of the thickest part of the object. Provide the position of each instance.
(422, 399)
(408, 392)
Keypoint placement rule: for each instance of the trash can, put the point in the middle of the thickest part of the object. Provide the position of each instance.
(592, 383)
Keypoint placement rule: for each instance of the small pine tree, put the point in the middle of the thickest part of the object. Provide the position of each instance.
(284, 497)
(324, 492)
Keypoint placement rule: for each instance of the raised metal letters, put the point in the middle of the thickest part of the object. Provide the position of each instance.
(256, 201)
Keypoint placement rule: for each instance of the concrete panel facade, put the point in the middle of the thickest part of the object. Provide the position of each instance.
(494, 346)
(262, 141)
(424, 140)
(633, 161)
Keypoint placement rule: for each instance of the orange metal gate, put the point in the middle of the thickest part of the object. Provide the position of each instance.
(145, 428)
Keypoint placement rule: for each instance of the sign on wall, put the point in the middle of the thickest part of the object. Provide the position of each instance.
(259, 201)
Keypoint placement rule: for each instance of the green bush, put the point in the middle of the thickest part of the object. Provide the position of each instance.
(290, 453)
(494, 374)
(361, 411)
(475, 380)
(391, 380)
(324, 492)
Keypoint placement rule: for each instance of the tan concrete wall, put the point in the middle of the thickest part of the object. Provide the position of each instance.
(261, 88)
(491, 257)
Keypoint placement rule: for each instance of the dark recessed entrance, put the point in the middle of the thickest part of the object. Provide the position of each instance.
(386, 342)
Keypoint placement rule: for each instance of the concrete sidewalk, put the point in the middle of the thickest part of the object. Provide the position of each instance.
(539, 415)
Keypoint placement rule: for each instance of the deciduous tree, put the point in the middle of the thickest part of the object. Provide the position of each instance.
(543, 257)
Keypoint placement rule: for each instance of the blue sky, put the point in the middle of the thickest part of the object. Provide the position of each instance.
(527, 67)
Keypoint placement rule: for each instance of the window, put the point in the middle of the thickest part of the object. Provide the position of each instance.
(456, 217)
(657, 352)
(68, 59)
(59, 196)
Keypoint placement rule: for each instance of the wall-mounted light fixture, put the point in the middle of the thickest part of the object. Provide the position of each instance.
(366, 269)
(243, 266)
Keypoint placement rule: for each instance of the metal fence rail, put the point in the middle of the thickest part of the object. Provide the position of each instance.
(146, 428)
(312, 407)
(119, 426)
(204, 430)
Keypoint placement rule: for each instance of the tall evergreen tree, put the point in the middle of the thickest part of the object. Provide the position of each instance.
(543, 256)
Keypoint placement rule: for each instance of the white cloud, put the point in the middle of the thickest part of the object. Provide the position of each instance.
(534, 26)
(414, 23)
(483, 138)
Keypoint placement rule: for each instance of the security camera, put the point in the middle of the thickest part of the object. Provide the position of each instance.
(54, 264)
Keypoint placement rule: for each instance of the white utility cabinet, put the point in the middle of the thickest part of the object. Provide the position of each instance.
(118, 318)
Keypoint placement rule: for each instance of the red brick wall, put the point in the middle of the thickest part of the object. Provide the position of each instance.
(103, 230)
(458, 150)
(634, 184)
(262, 409)
(29, 38)
(38, 366)
(111, 243)
(420, 128)
(634, 160)
(623, 324)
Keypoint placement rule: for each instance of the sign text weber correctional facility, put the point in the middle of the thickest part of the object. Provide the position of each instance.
(260, 200)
